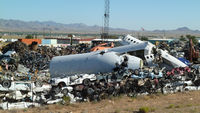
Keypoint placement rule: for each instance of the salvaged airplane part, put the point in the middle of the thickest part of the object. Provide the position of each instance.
(134, 62)
(147, 51)
(128, 39)
(146, 47)
(90, 63)
(142, 50)
(169, 61)
(106, 60)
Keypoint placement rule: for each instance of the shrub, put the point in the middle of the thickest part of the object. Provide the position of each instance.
(144, 110)
(66, 100)
(170, 106)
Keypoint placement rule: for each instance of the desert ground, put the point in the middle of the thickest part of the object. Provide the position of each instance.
(184, 102)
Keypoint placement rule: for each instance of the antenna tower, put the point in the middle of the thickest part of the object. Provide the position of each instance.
(106, 20)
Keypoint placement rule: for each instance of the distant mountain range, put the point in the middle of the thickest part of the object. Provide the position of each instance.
(181, 30)
(50, 26)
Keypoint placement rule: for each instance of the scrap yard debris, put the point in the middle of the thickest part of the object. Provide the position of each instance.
(32, 75)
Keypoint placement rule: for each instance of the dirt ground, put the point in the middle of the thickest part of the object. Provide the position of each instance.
(186, 102)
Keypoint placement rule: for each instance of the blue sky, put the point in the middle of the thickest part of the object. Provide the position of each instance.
(130, 14)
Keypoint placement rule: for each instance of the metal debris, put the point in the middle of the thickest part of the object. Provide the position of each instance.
(135, 68)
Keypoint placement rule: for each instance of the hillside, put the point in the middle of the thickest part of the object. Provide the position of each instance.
(50, 26)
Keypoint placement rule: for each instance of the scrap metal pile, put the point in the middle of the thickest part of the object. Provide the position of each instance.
(23, 71)
(35, 60)
(129, 82)
(47, 75)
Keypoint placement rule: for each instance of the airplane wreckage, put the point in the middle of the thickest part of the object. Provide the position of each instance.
(132, 54)
(134, 68)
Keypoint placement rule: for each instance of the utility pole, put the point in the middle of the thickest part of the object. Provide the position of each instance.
(106, 20)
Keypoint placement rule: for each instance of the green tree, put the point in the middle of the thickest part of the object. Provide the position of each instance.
(194, 40)
(182, 38)
(29, 36)
(144, 38)
(35, 36)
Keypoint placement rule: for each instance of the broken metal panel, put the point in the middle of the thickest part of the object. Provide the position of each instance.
(72, 98)
(23, 69)
(39, 98)
(151, 75)
(16, 95)
(43, 88)
(134, 62)
(170, 60)
(192, 88)
(146, 46)
(9, 53)
(149, 59)
(18, 105)
(54, 101)
(17, 85)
